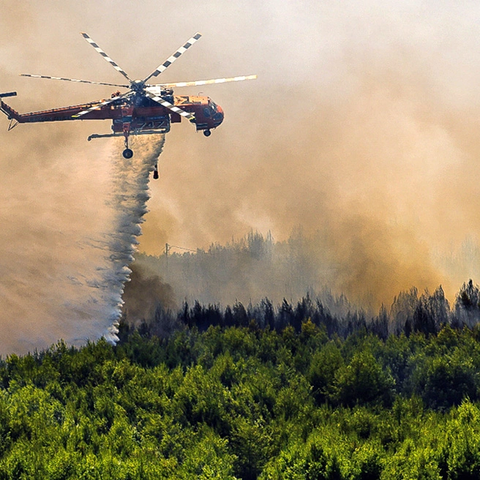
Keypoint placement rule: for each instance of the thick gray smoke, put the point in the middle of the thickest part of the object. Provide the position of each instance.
(145, 296)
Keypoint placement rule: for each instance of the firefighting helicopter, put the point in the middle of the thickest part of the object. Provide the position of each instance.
(144, 109)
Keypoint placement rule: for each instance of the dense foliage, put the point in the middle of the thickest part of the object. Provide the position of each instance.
(246, 402)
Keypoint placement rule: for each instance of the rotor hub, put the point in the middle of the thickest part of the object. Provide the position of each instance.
(137, 85)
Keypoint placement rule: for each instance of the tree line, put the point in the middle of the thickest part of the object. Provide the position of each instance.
(410, 312)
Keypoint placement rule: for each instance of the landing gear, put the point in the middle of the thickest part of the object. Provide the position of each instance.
(127, 153)
(207, 133)
(155, 172)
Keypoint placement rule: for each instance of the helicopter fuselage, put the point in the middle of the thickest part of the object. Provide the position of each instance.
(141, 112)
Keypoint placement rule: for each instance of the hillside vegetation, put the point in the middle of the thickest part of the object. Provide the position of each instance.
(301, 394)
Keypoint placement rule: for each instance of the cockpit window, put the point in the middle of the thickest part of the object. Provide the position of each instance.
(213, 106)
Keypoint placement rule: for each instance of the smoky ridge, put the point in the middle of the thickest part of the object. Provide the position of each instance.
(258, 266)
(151, 310)
(255, 272)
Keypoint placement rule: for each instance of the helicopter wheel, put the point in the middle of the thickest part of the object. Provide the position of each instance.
(207, 133)
(127, 153)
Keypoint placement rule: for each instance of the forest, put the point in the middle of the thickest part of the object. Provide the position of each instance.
(292, 391)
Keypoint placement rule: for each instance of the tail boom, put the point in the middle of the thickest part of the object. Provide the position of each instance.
(53, 115)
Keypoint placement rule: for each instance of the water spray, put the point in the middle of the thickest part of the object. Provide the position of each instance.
(128, 199)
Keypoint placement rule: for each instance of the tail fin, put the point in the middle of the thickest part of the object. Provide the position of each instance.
(9, 111)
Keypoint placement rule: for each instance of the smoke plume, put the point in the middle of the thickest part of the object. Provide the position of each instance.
(144, 295)
(362, 130)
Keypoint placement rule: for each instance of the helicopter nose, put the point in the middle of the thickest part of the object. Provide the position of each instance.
(218, 117)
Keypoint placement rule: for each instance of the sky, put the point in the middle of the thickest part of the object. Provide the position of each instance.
(361, 129)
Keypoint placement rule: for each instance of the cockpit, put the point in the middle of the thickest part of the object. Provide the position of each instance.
(213, 111)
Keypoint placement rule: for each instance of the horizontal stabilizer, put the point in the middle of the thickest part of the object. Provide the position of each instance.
(9, 94)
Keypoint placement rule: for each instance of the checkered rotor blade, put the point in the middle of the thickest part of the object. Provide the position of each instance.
(73, 80)
(206, 82)
(105, 56)
(101, 104)
(176, 55)
(171, 107)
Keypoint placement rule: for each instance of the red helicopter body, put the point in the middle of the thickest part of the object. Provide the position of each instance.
(144, 109)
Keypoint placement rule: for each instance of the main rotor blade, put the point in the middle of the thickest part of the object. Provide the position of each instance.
(171, 107)
(73, 80)
(171, 59)
(105, 56)
(206, 82)
(101, 104)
